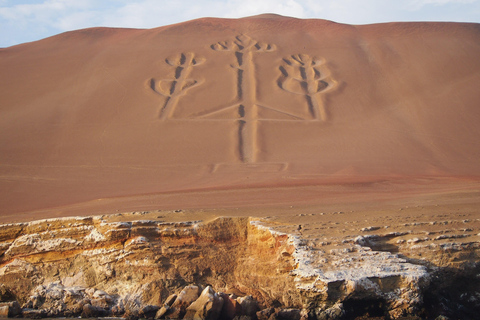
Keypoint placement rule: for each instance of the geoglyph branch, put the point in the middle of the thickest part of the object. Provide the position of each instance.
(301, 74)
(308, 76)
(243, 43)
(172, 89)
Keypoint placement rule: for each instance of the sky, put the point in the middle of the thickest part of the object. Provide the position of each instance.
(29, 20)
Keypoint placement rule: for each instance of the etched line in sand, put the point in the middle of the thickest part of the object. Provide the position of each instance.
(243, 48)
(241, 133)
(301, 74)
(306, 75)
(172, 89)
(246, 168)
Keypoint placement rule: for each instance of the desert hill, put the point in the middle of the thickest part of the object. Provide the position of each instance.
(264, 167)
(232, 112)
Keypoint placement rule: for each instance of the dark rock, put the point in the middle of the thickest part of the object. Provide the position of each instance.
(249, 306)
(265, 313)
(118, 310)
(148, 312)
(90, 311)
(55, 312)
(33, 313)
(231, 307)
(288, 314)
(131, 313)
(273, 316)
(5, 294)
(77, 308)
(131, 316)
(9, 309)
(37, 302)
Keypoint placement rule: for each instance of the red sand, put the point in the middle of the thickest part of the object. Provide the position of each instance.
(254, 112)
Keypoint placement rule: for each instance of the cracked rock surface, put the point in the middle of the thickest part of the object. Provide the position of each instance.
(131, 264)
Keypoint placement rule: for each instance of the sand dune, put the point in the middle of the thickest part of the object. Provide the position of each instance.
(265, 102)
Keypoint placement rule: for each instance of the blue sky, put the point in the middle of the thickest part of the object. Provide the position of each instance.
(24, 21)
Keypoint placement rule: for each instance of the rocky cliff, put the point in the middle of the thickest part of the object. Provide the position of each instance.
(131, 264)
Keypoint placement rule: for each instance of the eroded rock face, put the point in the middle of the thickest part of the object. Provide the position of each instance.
(146, 260)
(93, 267)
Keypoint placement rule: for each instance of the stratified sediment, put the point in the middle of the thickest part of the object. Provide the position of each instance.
(120, 265)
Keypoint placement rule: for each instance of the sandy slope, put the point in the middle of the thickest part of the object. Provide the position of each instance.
(260, 111)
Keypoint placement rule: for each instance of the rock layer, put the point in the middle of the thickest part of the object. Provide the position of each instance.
(95, 266)
(129, 258)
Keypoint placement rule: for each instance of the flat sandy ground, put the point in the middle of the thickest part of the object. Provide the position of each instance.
(316, 212)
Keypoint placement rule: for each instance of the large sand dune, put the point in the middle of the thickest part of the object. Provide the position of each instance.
(266, 110)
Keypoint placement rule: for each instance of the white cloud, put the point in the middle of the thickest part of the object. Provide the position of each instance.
(441, 2)
(26, 20)
(151, 13)
(45, 13)
(242, 8)
(146, 13)
(419, 4)
(314, 7)
(75, 20)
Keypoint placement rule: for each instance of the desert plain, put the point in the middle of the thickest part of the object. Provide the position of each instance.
(315, 166)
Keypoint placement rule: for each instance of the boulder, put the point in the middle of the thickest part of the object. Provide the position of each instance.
(265, 313)
(4, 311)
(249, 306)
(184, 299)
(99, 302)
(56, 309)
(166, 308)
(162, 312)
(90, 292)
(90, 311)
(333, 313)
(170, 300)
(76, 309)
(207, 307)
(148, 311)
(231, 307)
(9, 309)
(131, 314)
(33, 313)
(99, 294)
(287, 314)
(72, 297)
